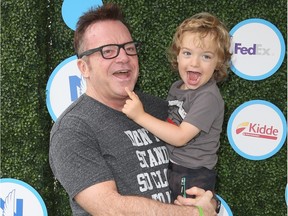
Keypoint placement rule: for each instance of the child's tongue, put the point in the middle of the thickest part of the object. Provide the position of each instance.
(193, 78)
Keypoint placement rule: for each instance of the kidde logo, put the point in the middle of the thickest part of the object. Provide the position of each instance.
(257, 130)
(255, 49)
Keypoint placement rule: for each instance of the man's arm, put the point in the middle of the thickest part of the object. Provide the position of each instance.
(170, 133)
(104, 200)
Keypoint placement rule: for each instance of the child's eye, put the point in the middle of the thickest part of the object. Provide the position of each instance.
(186, 53)
(207, 57)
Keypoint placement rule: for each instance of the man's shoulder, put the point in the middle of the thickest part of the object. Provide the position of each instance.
(76, 111)
(73, 107)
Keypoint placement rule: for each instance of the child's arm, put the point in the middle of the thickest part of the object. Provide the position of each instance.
(172, 134)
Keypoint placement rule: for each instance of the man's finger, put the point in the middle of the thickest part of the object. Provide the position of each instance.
(185, 201)
(195, 191)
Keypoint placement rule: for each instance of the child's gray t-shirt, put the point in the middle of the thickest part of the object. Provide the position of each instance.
(203, 108)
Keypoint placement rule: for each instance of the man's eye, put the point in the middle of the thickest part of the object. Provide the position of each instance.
(131, 49)
(109, 51)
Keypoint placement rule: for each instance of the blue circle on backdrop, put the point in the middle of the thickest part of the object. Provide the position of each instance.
(226, 206)
(51, 106)
(235, 113)
(73, 9)
(30, 188)
(282, 54)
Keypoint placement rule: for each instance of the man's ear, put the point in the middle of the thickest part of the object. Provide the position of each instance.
(83, 67)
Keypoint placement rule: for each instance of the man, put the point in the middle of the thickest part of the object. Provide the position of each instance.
(108, 164)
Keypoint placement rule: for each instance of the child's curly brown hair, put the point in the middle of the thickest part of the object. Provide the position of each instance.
(203, 24)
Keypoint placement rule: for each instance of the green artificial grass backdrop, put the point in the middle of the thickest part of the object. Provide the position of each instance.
(35, 39)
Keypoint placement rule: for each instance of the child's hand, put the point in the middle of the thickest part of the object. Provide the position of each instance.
(133, 107)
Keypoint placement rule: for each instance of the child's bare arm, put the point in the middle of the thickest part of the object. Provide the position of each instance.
(172, 134)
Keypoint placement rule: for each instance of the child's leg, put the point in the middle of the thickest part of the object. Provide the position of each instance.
(202, 177)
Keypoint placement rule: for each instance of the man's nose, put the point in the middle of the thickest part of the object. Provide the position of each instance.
(122, 55)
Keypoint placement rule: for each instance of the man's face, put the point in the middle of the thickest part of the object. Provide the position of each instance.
(107, 78)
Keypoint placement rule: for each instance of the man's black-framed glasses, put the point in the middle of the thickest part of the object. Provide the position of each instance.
(111, 51)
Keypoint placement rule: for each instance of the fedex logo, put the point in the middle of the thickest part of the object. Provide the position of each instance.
(257, 130)
(255, 49)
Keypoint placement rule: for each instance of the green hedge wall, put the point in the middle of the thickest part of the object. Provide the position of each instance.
(25, 123)
(34, 40)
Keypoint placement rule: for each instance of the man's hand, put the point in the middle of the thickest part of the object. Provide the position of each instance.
(133, 107)
(203, 199)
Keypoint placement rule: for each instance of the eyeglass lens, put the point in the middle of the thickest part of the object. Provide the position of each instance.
(111, 51)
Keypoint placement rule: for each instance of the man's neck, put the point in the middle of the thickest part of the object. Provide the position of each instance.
(115, 103)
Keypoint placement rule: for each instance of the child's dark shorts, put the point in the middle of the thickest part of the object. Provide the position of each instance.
(202, 177)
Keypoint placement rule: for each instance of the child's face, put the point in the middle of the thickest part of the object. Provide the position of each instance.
(197, 60)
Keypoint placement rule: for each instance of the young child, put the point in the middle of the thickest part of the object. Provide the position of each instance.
(200, 53)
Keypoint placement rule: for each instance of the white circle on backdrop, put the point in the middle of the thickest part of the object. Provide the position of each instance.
(64, 86)
(258, 49)
(256, 130)
(19, 198)
(73, 9)
(225, 209)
